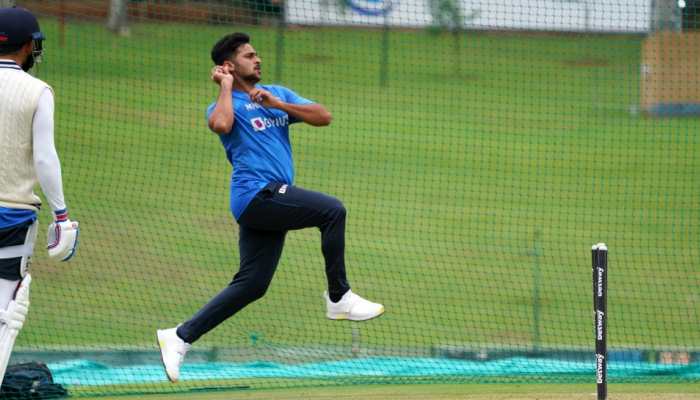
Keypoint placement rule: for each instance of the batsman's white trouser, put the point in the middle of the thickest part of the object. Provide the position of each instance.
(11, 321)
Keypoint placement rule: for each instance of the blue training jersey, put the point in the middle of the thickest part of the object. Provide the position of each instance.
(258, 145)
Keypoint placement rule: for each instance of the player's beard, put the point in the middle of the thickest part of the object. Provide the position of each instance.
(28, 63)
(251, 79)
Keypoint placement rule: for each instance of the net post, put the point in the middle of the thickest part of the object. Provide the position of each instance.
(600, 288)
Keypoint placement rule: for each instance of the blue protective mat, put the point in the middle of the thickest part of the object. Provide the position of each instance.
(82, 372)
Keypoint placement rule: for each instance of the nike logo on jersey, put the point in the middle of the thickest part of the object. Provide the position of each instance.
(252, 106)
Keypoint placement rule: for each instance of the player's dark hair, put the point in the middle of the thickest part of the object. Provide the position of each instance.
(227, 46)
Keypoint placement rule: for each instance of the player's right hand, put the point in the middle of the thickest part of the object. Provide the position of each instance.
(62, 237)
(222, 75)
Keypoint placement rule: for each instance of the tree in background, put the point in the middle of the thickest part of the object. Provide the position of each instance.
(117, 20)
(666, 15)
(447, 15)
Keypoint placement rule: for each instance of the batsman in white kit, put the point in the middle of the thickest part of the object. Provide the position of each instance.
(27, 156)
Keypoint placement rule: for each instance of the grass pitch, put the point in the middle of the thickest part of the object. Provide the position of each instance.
(450, 392)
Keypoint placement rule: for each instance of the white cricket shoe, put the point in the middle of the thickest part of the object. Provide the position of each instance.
(352, 307)
(172, 352)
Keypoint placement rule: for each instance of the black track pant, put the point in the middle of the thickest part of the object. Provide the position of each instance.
(275, 210)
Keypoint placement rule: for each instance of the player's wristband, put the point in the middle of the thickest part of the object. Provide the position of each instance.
(61, 215)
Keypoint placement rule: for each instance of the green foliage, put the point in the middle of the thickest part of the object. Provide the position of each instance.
(447, 15)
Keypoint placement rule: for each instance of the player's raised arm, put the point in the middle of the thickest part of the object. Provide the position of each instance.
(221, 119)
(313, 114)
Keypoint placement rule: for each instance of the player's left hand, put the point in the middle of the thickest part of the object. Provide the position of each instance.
(264, 98)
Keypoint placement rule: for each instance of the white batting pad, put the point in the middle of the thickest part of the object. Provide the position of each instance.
(11, 322)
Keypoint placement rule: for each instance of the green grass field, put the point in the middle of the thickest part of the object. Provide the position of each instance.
(450, 392)
(469, 179)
